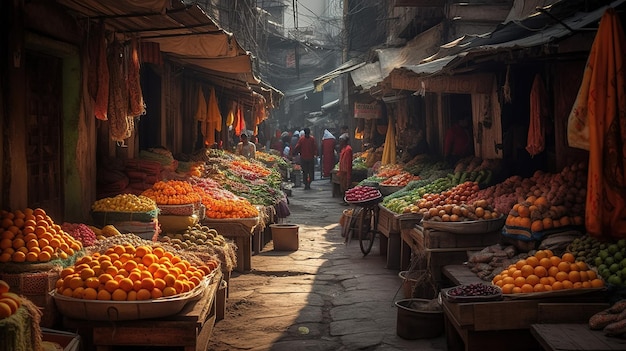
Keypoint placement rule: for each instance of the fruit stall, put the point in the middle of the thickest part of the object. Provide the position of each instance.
(507, 258)
(156, 256)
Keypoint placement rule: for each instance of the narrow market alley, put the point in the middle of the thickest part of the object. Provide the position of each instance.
(324, 296)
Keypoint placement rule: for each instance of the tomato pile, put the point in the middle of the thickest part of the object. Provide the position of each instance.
(362, 193)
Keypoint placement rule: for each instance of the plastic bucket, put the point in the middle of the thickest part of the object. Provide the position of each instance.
(415, 323)
(285, 237)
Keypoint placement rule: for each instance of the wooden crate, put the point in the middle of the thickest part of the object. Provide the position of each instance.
(434, 239)
(571, 336)
(387, 221)
(189, 330)
(484, 325)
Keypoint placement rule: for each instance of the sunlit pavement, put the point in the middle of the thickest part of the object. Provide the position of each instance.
(324, 296)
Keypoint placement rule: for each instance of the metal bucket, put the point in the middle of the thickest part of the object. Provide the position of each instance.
(414, 323)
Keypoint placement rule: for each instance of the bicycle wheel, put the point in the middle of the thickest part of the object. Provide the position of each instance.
(366, 237)
(353, 226)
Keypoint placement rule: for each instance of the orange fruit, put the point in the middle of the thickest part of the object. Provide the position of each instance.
(11, 302)
(539, 288)
(67, 292)
(92, 282)
(586, 284)
(597, 283)
(104, 295)
(32, 257)
(144, 294)
(519, 281)
(552, 271)
(574, 276)
(159, 284)
(147, 283)
(118, 295)
(87, 273)
(592, 274)
(582, 265)
(516, 290)
(141, 251)
(158, 251)
(545, 281)
(170, 291)
(131, 295)
(541, 271)
(527, 270)
(564, 267)
(531, 279)
(545, 262)
(584, 276)
(126, 284)
(5, 310)
(568, 257)
(156, 293)
(562, 276)
(578, 285)
(4, 286)
(160, 272)
(103, 278)
(111, 285)
(574, 267)
(129, 265)
(18, 256)
(505, 280)
(557, 286)
(567, 284)
(90, 294)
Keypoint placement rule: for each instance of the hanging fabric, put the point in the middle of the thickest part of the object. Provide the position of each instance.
(201, 113)
(230, 117)
(121, 124)
(535, 142)
(389, 151)
(136, 105)
(214, 119)
(597, 122)
(98, 73)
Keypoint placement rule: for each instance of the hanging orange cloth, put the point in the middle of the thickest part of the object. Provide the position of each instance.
(201, 113)
(389, 151)
(230, 118)
(600, 112)
(538, 113)
(240, 123)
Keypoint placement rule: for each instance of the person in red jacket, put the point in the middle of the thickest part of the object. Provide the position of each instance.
(307, 148)
(344, 173)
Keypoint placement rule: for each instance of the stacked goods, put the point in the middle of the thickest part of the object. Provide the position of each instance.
(248, 170)
(80, 232)
(406, 201)
(612, 321)
(32, 236)
(389, 170)
(127, 213)
(9, 302)
(608, 257)
(106, 231)
(172, 192)
(362, 193)
(131, 273)
(163, 156)
(190, 169)
(501, 196)
(490, 261)
(221, 203)
(142, 174)
(545, 271)
(399, 180)
(551, 202)
(451, 205)
(202, 239)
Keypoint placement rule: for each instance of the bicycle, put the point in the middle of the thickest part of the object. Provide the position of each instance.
(364, 223)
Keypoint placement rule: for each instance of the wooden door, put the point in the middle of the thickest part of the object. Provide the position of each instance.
(43, 133)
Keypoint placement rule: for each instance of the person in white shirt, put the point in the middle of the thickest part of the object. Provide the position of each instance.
(245, 148)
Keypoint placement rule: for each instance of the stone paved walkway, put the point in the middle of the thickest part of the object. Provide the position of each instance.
(325, 296)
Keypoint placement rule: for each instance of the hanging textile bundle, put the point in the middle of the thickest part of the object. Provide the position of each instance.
(136, 105)
(201, 113)
(596, 123)
(538, 113)
(98, 73)
(230, 118)
(121, 124)
(389, 151)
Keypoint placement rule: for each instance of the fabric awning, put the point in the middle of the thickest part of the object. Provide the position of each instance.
(510, 35)
(184, 32)
(346, 67)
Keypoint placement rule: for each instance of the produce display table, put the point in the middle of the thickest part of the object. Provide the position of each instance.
(390, 224)
(357, 176)
(190, 329)
(441, 248)
(242, 233)
(506, 324)
(571, 337)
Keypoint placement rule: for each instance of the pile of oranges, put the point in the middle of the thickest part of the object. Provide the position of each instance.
(172, 192)
(546, 272)
(9, 302)
(129, 273)
(30, 235)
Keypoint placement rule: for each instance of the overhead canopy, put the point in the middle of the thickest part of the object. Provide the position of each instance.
(541, 27)
(184, 32)
(348, 66)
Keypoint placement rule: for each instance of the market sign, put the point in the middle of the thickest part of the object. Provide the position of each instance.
(367, 111)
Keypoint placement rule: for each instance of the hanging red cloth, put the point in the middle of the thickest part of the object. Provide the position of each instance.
(536, 141)
(240, 123)
(598, 121)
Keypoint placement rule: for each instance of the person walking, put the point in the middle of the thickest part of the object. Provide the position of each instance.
(307, 148)
(344, 173)
(328, 153)
(245, 147)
